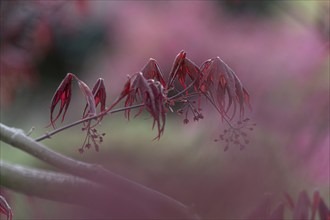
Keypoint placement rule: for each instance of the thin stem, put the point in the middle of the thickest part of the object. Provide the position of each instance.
(101, 114)
(223, 116)
(185, 97)
(191, 108)
(183, 91)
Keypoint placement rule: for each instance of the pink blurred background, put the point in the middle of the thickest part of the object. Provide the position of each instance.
(279, 50)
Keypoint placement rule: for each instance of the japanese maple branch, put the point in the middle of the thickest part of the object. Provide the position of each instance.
(49, 185)
(104, 201)
(101, 114)
(149, 203)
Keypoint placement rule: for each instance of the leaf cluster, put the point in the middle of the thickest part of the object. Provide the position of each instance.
(186, 86)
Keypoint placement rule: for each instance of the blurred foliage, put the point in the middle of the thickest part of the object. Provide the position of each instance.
(251, 7)
(71, 48)
(40, 44)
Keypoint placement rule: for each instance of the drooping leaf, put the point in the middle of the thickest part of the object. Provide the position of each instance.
(63, 94)
(301, 209)
(152, 71)
(315, 204)
(175, 68)
(88, 96)
(150, 92)
(139, 89)
(324, 211)
(182, 67)
(158, 113)
(100, 95)
(223, 86)
(215, 79)
(5, 208)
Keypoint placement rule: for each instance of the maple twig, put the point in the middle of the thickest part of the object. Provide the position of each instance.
(101, 114)
(217, 108)
(56, 186)
(147, 202)
(183, 91)
(49, 185)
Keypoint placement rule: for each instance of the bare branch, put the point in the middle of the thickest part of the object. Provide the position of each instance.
(49, 185)
(147, 203)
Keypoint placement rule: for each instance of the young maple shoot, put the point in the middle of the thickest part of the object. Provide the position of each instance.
(186, 86)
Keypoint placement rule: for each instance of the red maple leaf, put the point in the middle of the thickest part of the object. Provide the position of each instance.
(152, 71)
(63, 94)
(150, 92)
(100, 95)
(182, 67)
(221, 85)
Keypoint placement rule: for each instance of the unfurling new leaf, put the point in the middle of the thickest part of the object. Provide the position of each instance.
(63, 94)
(100, 96)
